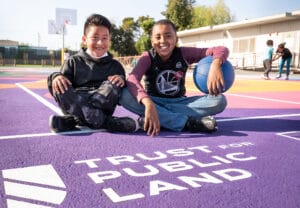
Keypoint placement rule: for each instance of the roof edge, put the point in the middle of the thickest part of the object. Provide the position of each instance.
(243, 23)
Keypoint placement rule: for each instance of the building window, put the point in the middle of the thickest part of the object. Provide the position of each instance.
(244, 45)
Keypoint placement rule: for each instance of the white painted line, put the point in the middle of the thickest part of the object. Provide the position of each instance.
(35, 175)
(31, 192)
(41, 99)
(53, 108)
(87, 130)
(11, 203)
(267, 99)
(58, 111)
(285, 134)
(258, 117)
(20, 136)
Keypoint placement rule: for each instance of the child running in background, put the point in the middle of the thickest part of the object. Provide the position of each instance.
(162, 102)
(89, 84)
(268, 59)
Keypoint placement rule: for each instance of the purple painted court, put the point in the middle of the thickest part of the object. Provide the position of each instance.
(251, 161)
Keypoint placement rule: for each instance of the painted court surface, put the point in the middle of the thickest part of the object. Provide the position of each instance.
(252, 161)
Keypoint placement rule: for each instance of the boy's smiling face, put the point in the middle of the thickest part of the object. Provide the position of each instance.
(163, 40)
(97, 40)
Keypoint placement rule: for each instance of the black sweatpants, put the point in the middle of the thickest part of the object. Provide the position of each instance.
(91, 108)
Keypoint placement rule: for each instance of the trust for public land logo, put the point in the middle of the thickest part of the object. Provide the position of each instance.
(32, 187)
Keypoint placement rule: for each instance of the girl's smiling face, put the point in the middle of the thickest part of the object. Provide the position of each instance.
(163, 40)
(97, 39)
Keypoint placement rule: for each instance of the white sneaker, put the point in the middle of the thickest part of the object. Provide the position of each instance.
(263, 76)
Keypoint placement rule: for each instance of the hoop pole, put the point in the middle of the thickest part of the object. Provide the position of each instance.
(63, 45)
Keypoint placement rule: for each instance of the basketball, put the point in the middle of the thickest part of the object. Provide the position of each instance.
(201, 73)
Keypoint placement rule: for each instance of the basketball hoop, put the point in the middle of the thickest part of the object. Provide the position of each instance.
(67, 22)
(63, 18)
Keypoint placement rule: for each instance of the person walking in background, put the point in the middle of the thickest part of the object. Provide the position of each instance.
(66, 55)
(286, 57)
(267, 62)
(88, 87)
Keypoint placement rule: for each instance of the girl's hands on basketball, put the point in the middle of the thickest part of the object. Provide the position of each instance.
(215, 80)
(60, 84)
(151, 120)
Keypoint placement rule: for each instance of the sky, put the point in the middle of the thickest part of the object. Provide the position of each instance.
(26, 21)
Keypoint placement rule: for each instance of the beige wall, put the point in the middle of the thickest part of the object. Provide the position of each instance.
(248, 44)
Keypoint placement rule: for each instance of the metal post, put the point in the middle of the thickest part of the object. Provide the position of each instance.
(63, 45)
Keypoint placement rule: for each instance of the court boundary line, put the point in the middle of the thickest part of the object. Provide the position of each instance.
(58, 111)
(40, 99)
(86, 130)
(22, 136)
(259, 117)
(284, 134)
(266, 99)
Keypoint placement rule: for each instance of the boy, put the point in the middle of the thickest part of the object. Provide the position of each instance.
(268, 59)
(88, 86)
(163, 102)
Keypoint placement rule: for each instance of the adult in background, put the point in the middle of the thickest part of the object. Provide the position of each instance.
(286, 57)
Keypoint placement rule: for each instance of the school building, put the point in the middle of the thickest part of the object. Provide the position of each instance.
(246, 39)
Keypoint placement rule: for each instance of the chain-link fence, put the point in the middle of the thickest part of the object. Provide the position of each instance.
(28, 56)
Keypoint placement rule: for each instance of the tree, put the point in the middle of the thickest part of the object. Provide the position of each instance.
(133, 37)
(221, 13)
(129, 25)
(146, 23)
(205, 16)
(122, 39)
(143, 43)
(180, 12)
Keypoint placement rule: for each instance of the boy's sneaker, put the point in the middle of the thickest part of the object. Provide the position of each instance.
(122, 124)
(205, 124)
(278, 77)
(62, 123)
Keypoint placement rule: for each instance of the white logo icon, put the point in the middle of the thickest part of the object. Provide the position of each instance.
(30, 187)
(168, 82)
